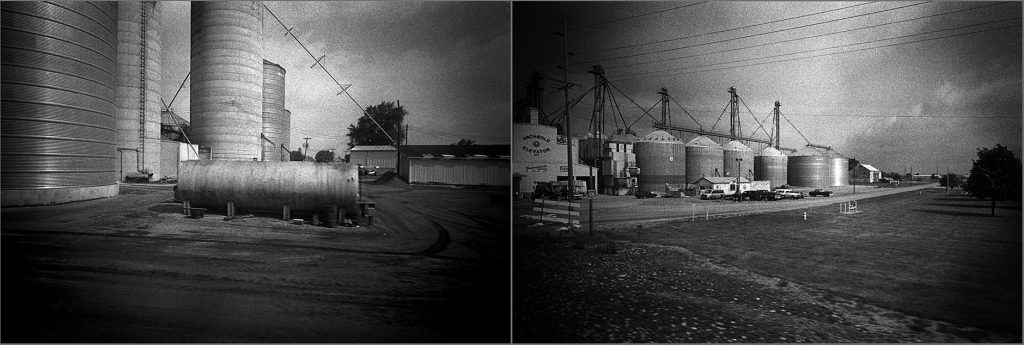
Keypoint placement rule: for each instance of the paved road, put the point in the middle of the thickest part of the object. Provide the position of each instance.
(620, 211)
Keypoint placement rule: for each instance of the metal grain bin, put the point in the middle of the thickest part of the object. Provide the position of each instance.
(809, 167)
(733, 150)
(273, 111)
(286, 135)
(661, 159)
(138, 88)
(304, 186)
(771, 166)
(58, 127)
(839, 172)
(704, 157)
(227, 78)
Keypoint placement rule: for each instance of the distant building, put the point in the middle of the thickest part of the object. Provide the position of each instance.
(467, 165)
(864, 173)
(380, 157)
(539, 156)
(728, 184)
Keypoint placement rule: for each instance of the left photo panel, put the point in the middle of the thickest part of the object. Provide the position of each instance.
(248, 171)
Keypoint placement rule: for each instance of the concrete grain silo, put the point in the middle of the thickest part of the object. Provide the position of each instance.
(809, 167)
(661, 159)
(58, 127)
(138, 88)
(771, 166)
(704, 157)
(273, 111)
(227, 78)
(730, 152)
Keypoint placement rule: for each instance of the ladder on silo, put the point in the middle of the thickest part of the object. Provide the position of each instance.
(141, 155)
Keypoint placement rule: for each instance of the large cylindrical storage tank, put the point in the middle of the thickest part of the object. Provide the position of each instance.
(286, 135)
(704, 157)
(273, 109)
(771, 166)
(809, 167)
(661, 159)
(138, 88)
(227, 78)
(58, 128)
(839, 169)
(736, 150)
(304, 186)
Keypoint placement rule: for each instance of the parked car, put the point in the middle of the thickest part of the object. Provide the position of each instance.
(757, 195)
(819, 192)
(366, 170)
(789, 193)
(710, 194)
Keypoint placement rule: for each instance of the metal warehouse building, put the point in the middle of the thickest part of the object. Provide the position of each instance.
(383, 156)
(456, 165)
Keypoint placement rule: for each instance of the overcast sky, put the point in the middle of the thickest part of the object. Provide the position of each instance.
(448, 63)
(923, 104)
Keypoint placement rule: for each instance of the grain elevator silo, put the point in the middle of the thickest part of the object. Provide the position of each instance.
(227, 78)
(704, 157)
(661, 159)
(839, 172)
(138, 88)
(58, 127)
(736, 150)
(273, 111)
(771, 166)
(809, 167)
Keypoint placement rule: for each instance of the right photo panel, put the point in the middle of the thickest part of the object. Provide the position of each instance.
(766, 172)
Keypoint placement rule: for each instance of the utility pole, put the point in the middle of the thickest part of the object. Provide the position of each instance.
(778, 133)
(739, 197)
(306, 153)
(597, 119)
(568, 128)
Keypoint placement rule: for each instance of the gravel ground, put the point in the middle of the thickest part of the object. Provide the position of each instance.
(132, 268)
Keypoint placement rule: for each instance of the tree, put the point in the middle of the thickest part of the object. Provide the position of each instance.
(995, 175)
(954, 180)
(296, 155)
(324, 156)
(464, 142)
(366, 132)
(853, 164)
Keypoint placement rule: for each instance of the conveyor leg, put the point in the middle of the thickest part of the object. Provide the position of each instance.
(287, 212)
(231, 208)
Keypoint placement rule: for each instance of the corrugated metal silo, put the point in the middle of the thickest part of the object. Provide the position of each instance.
(771, 166)
(661, 159)
(138, 87)
(733, 150)
(58, 127)
(838, 169)
(704, 157)
(809, 167)
(273, 110)
(286, 135)
(227, 77)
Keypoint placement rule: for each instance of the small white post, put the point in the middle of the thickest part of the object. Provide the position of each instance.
(805, 215)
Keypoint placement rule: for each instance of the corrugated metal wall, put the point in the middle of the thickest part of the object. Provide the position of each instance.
(493, 172)
(383, 159)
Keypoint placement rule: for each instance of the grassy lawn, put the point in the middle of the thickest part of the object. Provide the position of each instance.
(923, 253)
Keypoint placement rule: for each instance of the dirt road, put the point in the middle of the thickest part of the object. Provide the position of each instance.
(134, 269)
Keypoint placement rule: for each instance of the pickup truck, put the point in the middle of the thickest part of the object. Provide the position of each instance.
(789, 194)
(819, 192)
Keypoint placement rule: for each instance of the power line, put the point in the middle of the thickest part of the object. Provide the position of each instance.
(747, 36)
(954, 116)
(721, 31)
(802, 38)
(634, 16)
(820, 49)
